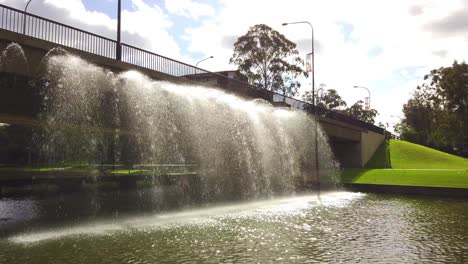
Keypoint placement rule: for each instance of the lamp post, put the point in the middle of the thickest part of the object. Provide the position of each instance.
(24, 16)
(368, 92)
(118, 48)
(317, 175)
(210, 57)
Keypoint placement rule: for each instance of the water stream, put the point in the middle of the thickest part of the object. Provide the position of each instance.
(243, 148)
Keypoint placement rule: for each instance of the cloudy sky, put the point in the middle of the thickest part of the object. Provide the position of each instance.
(385, 45)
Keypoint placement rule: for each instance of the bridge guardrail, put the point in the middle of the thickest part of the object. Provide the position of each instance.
(42, 28)
(45, 29)
(156, 62)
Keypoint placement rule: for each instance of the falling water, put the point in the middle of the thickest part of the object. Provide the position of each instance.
(13, 59)
(243, 148)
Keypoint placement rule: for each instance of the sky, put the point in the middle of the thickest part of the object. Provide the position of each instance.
(387, 46)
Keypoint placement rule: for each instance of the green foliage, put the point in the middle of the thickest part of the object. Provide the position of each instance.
(357, 111)
(437, 113)
(268, 59)
(330, 99)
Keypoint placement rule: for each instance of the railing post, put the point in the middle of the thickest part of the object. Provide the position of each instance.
(118, 48)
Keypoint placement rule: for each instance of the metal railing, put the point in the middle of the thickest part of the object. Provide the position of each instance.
(156, 62)
(45, 29)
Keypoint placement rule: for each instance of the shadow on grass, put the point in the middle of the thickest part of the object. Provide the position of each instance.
(351, 175)
(381, 158)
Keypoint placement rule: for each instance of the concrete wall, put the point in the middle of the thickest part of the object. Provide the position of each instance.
(340, 130)
(352, 152)
(347, 153)
(370, 141)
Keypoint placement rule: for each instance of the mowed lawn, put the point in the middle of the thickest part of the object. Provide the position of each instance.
(408, 177)
(411, 165)
(406, 155)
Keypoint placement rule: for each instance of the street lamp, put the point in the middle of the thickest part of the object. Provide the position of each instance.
(368, 103)
(118, 48)
(210, 57)
(24, 16)
(313, 98)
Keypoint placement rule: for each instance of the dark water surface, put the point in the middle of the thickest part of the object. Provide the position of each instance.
(341, 227)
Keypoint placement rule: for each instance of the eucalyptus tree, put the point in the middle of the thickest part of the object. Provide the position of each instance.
(269, 60)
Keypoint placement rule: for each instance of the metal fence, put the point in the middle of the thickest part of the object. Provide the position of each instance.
(45, 29)
(156, 62)
(42, 28)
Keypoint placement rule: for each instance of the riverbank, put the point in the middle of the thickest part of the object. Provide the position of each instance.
(407, 168)
(448, 178)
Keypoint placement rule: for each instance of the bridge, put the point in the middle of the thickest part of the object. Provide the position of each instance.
(353, 141)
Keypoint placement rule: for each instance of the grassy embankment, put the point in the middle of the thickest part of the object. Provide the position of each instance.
(411, 165)
(80, 171)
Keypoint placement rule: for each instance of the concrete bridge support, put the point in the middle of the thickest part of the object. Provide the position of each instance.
(352, 146)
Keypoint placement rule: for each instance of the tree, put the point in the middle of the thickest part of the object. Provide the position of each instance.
(329, 100)
(357, 111)
(418, 113)
(437, 113)
(269, 60)
(451, 84)
(426, 122)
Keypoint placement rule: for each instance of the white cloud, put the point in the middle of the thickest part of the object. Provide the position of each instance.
(152, 24)
(145, 26)
(77, 11)
(391, 26)
(188, 8)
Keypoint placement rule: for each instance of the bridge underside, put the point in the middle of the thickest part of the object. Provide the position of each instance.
(352, 146)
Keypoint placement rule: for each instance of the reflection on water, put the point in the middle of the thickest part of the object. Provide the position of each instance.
(343, 227)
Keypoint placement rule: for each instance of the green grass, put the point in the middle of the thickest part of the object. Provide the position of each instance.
(406, 155)
(7, 173)
(126, 172)
(379, 159)
(407, 177)
(411, 165)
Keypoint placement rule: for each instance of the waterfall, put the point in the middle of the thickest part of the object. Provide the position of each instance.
(13, 59)
(242, 148)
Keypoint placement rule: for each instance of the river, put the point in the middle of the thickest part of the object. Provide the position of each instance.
(335, 227)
